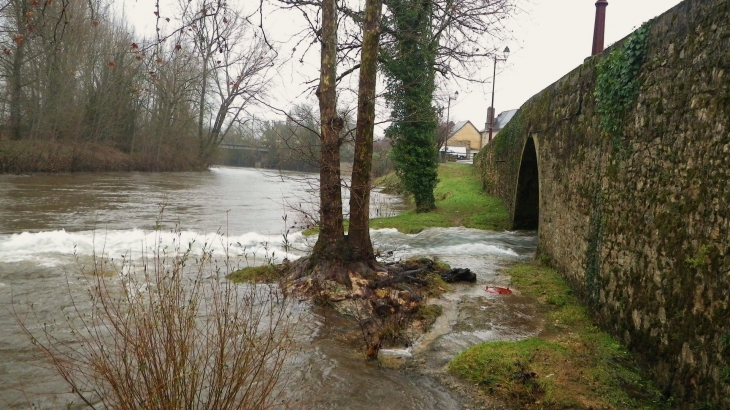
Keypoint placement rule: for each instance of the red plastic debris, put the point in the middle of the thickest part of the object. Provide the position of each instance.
(498, 290)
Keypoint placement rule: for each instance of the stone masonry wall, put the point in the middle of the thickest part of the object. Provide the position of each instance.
(640, 225)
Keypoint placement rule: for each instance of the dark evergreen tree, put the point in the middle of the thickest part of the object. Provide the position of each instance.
(409, 61)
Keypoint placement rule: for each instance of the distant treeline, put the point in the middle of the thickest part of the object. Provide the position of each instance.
(83, 93)
(292, 144)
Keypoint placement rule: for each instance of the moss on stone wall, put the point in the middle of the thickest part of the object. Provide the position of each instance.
(643, 236)
(618, 84)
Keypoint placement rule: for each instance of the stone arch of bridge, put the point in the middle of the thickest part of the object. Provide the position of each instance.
(527, 195)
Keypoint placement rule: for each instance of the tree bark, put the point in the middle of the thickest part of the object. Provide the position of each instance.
(329, 245)
(202, 148)
(16, 81)
(334, 255)
(359, 233)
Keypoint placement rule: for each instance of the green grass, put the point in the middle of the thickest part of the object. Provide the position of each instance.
(428, 314)
(576, 365)
(391, 184)
(504, 369)
(265, 273)
(460, 201)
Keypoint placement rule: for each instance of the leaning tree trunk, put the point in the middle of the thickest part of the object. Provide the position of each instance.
(359, 233)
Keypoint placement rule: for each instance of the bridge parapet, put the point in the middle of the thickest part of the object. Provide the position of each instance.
(638, 220)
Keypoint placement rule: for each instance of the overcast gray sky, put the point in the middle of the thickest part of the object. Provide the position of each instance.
(551, 37)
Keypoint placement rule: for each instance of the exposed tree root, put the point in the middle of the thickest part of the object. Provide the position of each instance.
(409, 276)
(389, 301)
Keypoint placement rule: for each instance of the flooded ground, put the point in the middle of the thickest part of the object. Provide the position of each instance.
(53, 225)
(414, 376)
(472, 316)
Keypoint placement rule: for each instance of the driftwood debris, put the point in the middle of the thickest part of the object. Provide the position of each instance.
(410, 276)
(397, 275)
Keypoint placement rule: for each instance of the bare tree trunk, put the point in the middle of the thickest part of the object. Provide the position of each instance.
(16, 81)
(201, 107)
(331, 234)
(359, 233)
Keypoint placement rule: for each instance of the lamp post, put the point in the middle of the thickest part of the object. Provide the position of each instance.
(448, 125)
(494, 78)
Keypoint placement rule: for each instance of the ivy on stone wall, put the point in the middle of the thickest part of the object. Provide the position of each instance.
(725, 352)
(597, 228)
(618, 85)
(499, 155)
(510, 136)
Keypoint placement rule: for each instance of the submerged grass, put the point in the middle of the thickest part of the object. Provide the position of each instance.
(428, 314)
(571, 364)
(460, 201)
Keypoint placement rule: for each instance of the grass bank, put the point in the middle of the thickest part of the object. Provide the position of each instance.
(571, 365)
(27, 156)
(460, 201)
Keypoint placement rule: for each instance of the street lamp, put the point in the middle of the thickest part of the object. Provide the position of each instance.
(448, 125)
(494, 77)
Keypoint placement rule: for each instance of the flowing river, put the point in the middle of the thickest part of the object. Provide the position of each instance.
(52, 225)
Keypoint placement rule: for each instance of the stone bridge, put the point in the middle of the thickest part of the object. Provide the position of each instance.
(239, 155)
(623, 167)
(241, 147)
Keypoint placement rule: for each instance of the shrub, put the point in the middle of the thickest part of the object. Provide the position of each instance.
(168, 335)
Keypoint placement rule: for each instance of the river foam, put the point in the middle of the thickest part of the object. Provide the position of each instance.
(453, 242)
(52, 247)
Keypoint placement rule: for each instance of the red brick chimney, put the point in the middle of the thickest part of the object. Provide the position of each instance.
(600, 27)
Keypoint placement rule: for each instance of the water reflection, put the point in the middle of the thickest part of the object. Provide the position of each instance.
(233, 200)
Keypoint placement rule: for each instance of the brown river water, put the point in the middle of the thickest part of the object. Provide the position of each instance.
(51, 223)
